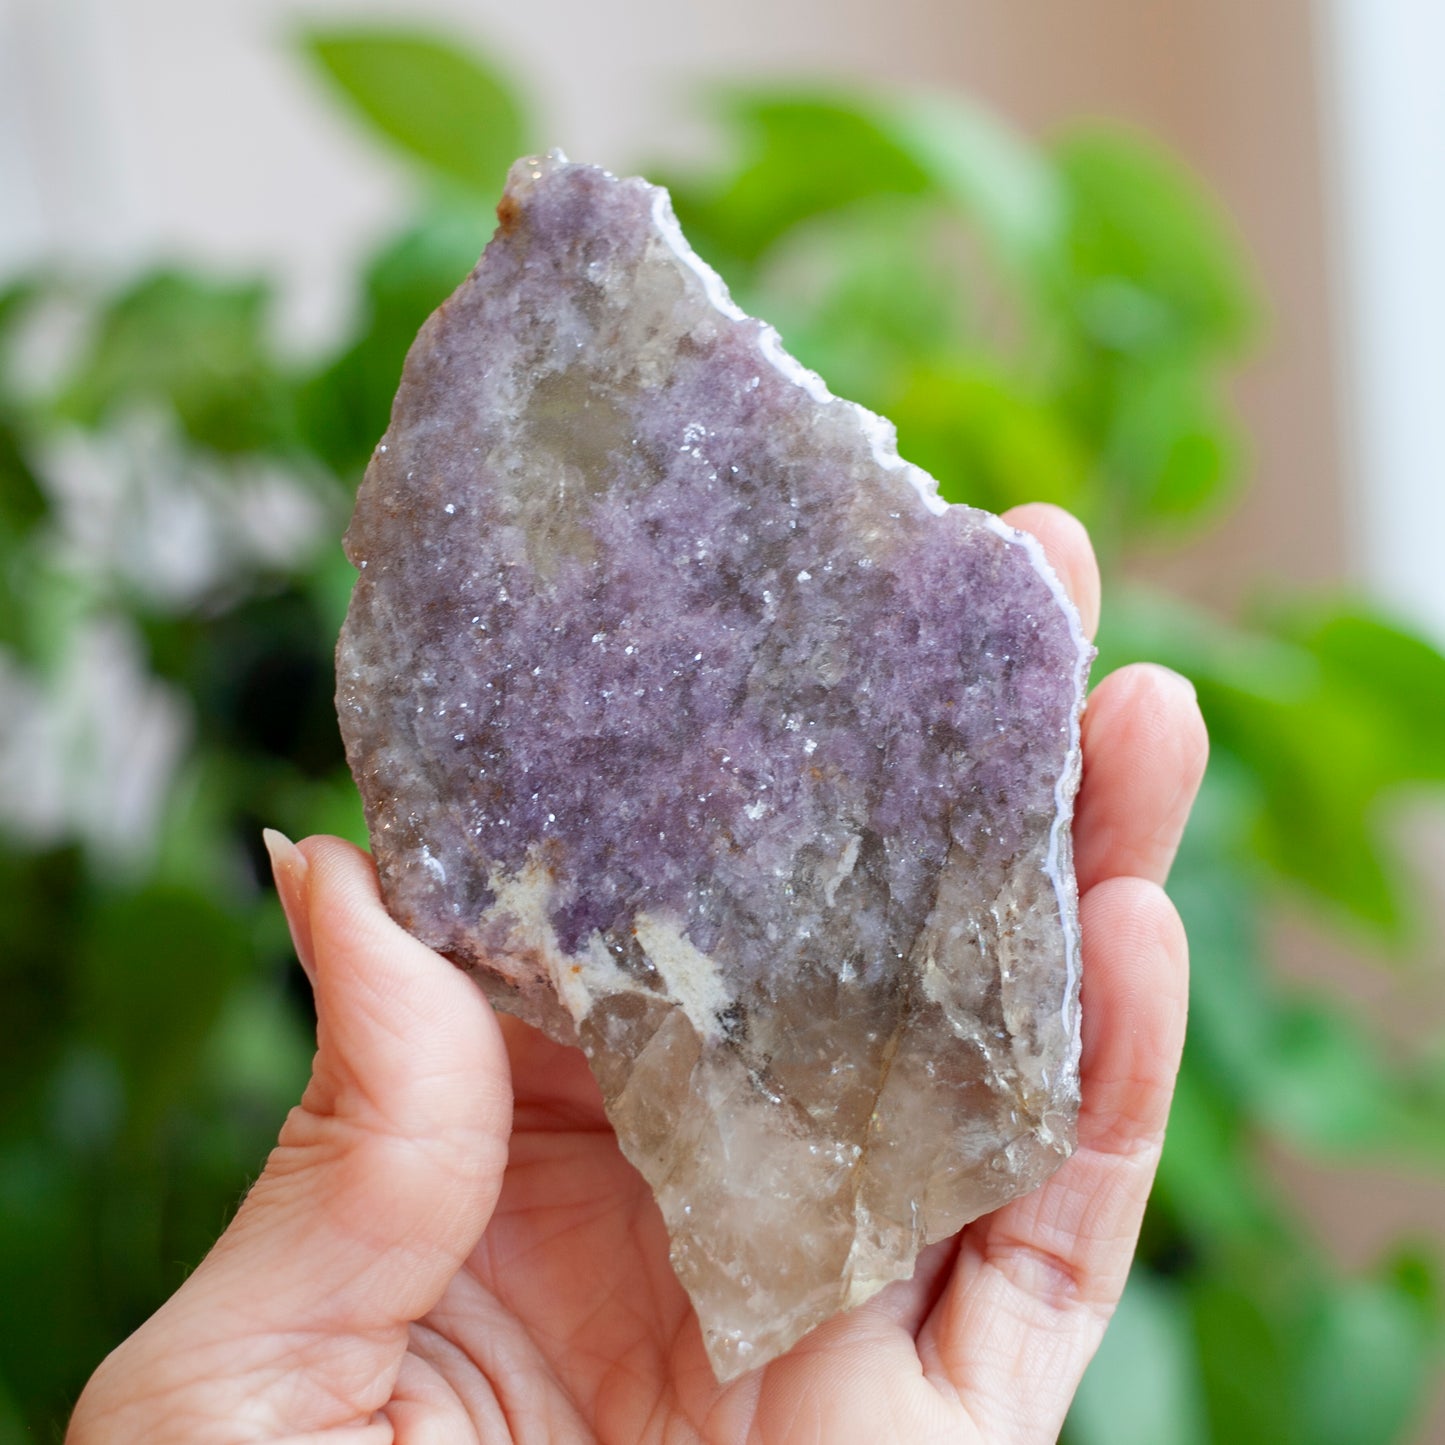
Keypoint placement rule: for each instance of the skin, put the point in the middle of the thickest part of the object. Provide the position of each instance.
(446, 1245)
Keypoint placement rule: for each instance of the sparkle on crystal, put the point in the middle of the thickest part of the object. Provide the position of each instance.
(691, 722)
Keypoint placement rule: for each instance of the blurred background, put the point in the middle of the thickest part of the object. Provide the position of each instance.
(1175, 265)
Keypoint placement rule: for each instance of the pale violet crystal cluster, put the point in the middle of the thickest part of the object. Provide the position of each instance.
(693, 724)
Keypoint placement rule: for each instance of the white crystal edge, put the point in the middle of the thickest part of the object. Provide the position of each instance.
(879, 431)
(1067, 784)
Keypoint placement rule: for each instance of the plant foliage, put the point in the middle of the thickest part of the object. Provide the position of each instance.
(1048, 321)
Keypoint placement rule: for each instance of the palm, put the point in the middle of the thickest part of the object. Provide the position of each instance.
(567, 1322)
(569, 1311)
(447, 1244)
(576, 1259)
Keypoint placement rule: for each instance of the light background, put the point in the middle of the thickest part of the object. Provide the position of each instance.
(137, 130)
(131, 129)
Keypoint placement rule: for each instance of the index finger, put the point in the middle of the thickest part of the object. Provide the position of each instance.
(1066, 544)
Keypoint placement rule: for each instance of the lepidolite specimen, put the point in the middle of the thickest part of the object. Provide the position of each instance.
(693, 723)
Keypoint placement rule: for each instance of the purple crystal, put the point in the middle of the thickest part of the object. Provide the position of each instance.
(692, 722)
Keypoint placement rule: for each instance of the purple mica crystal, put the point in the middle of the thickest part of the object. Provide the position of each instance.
(693, 724)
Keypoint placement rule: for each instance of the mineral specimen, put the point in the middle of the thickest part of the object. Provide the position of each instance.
(692, 722)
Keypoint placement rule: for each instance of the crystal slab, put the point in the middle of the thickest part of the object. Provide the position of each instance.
(692, 723)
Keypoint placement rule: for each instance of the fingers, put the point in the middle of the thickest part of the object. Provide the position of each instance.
(380, 1186)
(1145, 746)
(412, 1049)
(1036, 1282)
(292, 874)
(1066, 544)
(384, 1177)
(1145, 749)
(1136, 999)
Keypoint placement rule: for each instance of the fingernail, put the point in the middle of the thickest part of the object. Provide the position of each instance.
(291, 872)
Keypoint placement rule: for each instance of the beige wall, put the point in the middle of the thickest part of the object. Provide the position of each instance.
(185, 127)
(1231, 85)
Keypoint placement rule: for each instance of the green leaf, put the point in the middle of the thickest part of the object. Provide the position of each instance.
(1247, 1354)
(1299, 1065)
(805, 155)
(1146, 625)
(154, 970)
(986, 440)
(259, 1052)
(22, 502)
(1153, 298)
(1391, 673)
(1232, 1006)
(1342, 750)
(1322, 754)
(44, 897)
(16, 295)
(1328, 1087)
(862, 293)
(1207, 1180)
(12, 1428)
(1143, 1386)
(995, 178)
(1314, 757)
(198, 347)
(1155, 268)
(1172, 448)
(802, 155)
(23, 509)
(438, 104)
(1369, 1356)
(344, 408)
(23, 505)
(54, 1328)
(1416, 1276)
(259, 676)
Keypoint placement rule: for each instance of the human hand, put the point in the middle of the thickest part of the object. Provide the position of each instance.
(447, 1245)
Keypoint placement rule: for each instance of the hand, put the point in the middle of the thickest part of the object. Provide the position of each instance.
(447, 1246)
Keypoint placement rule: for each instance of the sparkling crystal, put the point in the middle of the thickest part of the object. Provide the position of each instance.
(693, 723)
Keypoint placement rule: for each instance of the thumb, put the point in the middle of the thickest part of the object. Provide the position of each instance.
(387, 1172)
(379, 1188)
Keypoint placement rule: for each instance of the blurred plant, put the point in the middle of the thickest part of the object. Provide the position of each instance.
(1041, 322)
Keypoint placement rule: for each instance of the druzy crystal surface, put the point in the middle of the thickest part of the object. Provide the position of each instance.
(692, 723)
